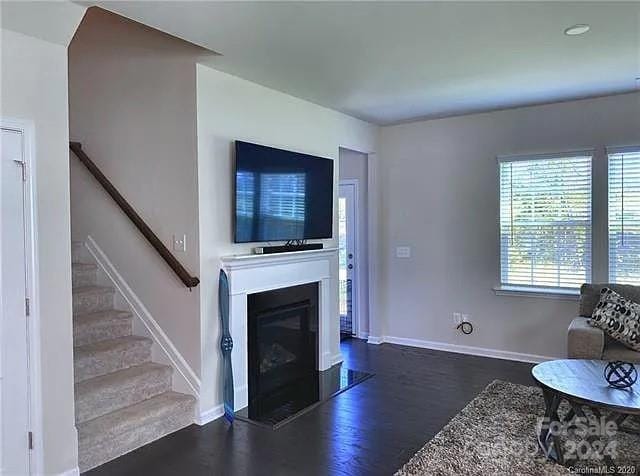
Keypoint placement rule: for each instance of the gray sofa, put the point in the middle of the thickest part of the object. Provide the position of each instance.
(586, 342)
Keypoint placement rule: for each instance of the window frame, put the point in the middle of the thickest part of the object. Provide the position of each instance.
(505, 289)
(608, 152)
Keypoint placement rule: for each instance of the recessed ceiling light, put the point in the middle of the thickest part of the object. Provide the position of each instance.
(577, 30)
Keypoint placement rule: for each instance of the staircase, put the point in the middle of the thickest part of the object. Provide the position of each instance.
(122, 400)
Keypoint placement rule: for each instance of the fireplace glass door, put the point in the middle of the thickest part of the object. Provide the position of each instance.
(283, 349)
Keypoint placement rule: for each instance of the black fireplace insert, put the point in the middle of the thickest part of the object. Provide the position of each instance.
(283, 349)
(284, 381)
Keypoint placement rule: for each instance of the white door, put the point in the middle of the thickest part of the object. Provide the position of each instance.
(14, 355)
(347, 220)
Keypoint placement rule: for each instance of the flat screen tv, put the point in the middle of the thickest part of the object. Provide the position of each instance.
(281, 195)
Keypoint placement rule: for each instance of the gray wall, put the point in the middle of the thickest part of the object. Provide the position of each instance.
(353, 165)
(439, 189)
(230, 108)
(132, 102)
(34, 39)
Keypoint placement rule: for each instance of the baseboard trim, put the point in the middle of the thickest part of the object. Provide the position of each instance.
(469, 350)
(208, 416)
(240, 397)
(142, 313)
(70, 472)
(374, 340)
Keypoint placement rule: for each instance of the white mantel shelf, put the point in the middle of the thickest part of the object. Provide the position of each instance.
(258, 260)
(254, 273)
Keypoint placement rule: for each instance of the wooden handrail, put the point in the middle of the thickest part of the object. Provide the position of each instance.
(188, 280)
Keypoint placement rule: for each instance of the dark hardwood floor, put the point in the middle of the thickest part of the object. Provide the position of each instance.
(371, 429)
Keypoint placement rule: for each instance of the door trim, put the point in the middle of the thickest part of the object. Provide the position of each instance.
(355, 316)
(27, 128)
(375, 332)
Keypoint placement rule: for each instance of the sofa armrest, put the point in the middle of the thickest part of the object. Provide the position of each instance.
(584, 341)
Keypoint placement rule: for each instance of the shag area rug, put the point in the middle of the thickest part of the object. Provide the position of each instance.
(496, 434)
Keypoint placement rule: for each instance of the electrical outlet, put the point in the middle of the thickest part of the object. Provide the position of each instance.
(180, 243)
(403, 252)
(457, 318)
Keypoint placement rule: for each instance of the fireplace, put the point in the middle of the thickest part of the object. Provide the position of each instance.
(282, 350)
(286, 340)
(252, 275)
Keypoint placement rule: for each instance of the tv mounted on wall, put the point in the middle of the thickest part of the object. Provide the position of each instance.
(281, 195)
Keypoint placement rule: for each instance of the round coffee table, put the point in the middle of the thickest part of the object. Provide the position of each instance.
(580, 383)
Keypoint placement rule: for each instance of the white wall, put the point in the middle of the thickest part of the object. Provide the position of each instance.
(132, 102)
(354, 165)
(34, 88)
(232, 109)
(439, 186)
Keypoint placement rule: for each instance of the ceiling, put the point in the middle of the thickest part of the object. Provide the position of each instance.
(389, 62)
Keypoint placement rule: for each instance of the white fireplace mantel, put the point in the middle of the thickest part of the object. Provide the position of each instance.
(249, 274)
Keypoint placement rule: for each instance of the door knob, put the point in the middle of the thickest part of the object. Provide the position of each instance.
(350, 266)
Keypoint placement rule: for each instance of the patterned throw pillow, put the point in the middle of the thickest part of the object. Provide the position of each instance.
(618, 317)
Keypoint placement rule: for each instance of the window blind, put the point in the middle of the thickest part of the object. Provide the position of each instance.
(283, 195)
(624, 215)
(545, 220)
(245, 193)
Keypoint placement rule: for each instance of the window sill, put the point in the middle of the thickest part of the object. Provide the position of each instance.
(545, 293)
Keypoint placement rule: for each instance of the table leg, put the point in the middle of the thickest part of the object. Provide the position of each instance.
(550, 443)
(593, 438)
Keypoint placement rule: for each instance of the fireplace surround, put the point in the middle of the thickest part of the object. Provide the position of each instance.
(252, 275)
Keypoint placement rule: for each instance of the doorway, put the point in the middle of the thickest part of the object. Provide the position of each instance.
(347, 229)
(353, 242)
(15, 436)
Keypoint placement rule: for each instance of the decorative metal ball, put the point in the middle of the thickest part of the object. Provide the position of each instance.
(620, 374)
(226, 343)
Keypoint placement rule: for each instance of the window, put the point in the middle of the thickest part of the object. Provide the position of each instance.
(545, 221)
(624, 215)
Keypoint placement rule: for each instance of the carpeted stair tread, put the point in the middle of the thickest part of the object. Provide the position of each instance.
(84, 266)
(83, 274)
(99, 358)
(107, 393)
(114, 434)
(102, 325)
(128, 418)
(77, 251)
(92, 289)
(92, 299)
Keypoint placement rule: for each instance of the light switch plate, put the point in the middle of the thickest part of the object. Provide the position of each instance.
(180, 243)
(403, 252)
